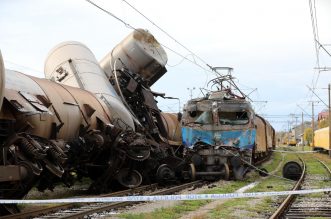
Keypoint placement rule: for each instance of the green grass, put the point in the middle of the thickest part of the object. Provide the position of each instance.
(253, 208)
(264, 206)
(187, 206)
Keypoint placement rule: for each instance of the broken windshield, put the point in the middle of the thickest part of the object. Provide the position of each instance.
(205, 118)
(233, 118)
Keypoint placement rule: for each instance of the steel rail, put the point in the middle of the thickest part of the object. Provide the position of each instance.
(112, 206)
(305, 207)
(287, 202)
(47, 210)
(264, 159)
(325, 166)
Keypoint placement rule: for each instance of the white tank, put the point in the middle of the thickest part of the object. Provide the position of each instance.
(141, 53)
(72, 63)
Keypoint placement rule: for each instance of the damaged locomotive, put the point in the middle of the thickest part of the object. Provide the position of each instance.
(222, 134)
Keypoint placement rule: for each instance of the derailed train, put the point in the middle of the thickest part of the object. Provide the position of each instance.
(101, 121)
(74, 124)
(223, 135)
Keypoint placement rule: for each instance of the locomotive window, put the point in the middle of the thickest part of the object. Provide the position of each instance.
(205, 118)
(233, 118)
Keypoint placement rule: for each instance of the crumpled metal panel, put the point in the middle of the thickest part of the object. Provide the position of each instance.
(242, 139)
(34, 101)
(226, 106)
(19, 102)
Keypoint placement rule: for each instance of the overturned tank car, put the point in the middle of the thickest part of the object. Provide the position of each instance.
(86, 120)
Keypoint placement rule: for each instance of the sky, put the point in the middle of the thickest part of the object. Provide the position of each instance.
(269, 43)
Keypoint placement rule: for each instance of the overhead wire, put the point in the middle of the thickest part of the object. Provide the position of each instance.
(165, 32)
(194, 55)
(131, 27)
(313, 17)
(24, 67)
(175, 40)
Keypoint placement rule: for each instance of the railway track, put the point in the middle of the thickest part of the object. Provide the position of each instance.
(61, 207)
(74, 211)
(306, 206)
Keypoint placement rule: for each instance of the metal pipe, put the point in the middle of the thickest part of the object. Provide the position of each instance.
(209, 173)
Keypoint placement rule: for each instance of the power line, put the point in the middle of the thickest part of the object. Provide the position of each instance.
(165, 32)
(23, 67)
(131, 27)
(316, 23)
(325, 50)
(313, 18)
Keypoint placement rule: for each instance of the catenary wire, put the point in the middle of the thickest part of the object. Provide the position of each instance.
(131, 27)
(165, 32)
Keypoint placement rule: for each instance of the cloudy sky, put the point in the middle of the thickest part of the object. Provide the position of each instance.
(269, 43)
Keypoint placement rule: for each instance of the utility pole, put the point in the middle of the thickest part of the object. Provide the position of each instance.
(191, 90)
(302, 131)
(313, 123)
(329, 88)
(288, 133)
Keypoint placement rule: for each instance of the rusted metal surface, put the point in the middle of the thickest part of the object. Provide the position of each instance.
(173, 126)
(51, 131)
(260, 134)
(75, 125)
(65, 107)
(11, 173)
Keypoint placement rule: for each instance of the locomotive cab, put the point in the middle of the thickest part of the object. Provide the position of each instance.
(219, 135)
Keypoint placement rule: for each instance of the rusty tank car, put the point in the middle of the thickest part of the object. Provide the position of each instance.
(126, 73)
(221, 133)
(84, 121)
(54, 133)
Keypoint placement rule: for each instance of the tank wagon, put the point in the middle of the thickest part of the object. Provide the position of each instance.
(85, 120)
(222, 134)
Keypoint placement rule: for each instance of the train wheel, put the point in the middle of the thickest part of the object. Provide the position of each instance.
(192, 171)
(129, 178)
(226, 171)
(165, 174)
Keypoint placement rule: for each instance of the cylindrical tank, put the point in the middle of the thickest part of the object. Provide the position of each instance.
(72, 63)
(141, 53)
(44, 108)
(172, 125)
